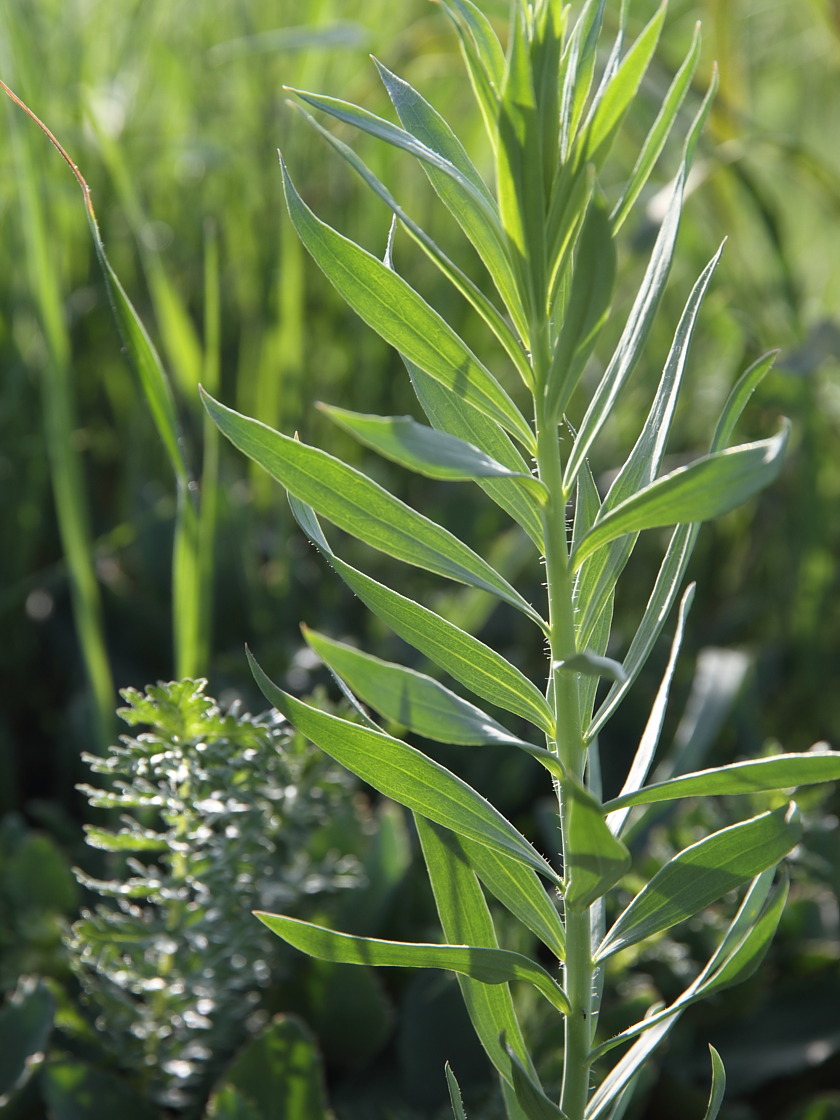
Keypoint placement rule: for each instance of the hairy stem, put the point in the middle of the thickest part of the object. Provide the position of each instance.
(570, 748)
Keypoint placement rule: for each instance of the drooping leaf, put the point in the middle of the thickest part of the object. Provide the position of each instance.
(406, 775)
(395, 311)
(464, 657)
(595, 859)
(702, 874)
(425, 450)
(591, 664)
(786, 771)
(707, 488)
(487, 966)
(360, 506)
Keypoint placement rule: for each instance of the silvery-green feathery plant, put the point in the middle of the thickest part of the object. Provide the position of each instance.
(545, 229)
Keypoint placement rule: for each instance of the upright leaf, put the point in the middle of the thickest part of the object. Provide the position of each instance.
(702, 874)
(595, 859)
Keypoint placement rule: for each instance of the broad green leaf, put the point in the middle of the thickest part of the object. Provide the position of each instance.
(633, 337)
(405, 775)
(643, 758)
(277, 1073)
(531, 1095)
(718, 1086)
(75, 1090)
(702, 874)
(586, 310)
(595, 859)
(705, 489)
(487, 966)
(520, 892)
(786, 771)
(618, 95)
(395, 311)
(449, 412)
(425, 450)
(659, 132)
(454, 1094)
(26, 1021)
(464, 657)
(360, 506)
(467, 287)
(465, 918)
(409, 698)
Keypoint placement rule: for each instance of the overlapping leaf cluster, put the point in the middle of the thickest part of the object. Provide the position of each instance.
(545, 231)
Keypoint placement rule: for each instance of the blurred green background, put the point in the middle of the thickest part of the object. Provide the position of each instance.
(173, 112)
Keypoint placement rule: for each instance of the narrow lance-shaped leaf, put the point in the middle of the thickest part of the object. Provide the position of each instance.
(483, 55)
(520, 892)
(531, 1096)
(643, 758)
(454, 1094)
(409, 698)
(586, 310)
(464, 657)
(488, 966)
(360, 506)
(705, 489)
(491, 315)
(598, 133)
(405, 775)
(633, 336)
(465, 918)
(718, 1086)
(595, 859)
(659, 132)
(786, 771)
(702, 874)
(403, 318)
(425, 450)
(450, 413)
(735, 960)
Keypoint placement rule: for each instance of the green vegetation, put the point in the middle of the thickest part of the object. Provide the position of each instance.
(177, 146)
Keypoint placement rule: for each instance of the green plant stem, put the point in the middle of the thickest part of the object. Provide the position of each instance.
(570, 748)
